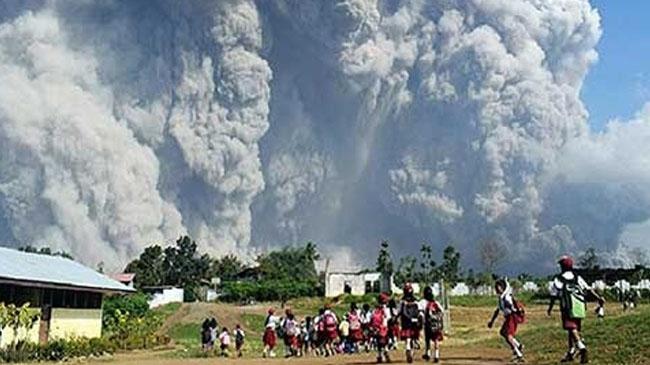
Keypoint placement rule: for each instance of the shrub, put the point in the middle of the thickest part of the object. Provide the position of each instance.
(57, 350)
(268, 290)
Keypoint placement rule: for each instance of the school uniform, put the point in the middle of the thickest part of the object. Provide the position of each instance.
(568, 323)
(430, 307)
(507, 307)
(270, 338)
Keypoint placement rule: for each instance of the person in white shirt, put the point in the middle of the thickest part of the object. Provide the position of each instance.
(224, 340)
(511, 314)
(570, 289)
(270, 338)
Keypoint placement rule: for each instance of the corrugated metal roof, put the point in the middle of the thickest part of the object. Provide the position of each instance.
(30, 267)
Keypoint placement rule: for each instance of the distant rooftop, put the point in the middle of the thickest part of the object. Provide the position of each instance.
(22, 268)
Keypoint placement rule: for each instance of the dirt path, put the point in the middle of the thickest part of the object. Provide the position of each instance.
(454, 356)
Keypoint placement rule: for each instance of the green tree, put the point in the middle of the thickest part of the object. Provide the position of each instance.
(428, 269)
(406, 270)
(384, 260)
(183, 266)
(293, 263)
(45, 251)
(148, 268)
(227, 267)
(450, 267)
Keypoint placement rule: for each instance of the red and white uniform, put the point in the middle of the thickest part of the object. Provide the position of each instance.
(270, 338)
(568, 323)
(507, 307)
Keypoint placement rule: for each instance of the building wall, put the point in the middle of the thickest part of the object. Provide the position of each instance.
(67, 323)
(171, 295)
(335, 283)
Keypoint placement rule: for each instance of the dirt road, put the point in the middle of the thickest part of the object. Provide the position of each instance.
(454, 356)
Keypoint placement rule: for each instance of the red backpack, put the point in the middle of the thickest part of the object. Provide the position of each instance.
(519, 311)
(378, 323)
(330, 322)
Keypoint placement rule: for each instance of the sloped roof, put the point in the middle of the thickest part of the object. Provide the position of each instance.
(53, 271)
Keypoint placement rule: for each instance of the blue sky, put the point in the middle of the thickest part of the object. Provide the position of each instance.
(619, 84)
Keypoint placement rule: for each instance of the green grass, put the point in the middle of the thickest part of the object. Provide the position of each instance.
(168, 309)
(475, 301)
(186, 334)
(624, 339)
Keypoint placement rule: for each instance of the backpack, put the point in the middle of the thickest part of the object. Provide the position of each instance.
(377, 325)
(239, 337)
(572, 298)
(330, 322)
(520, 311)
(355, 321)
(434, 319)
(411, 312)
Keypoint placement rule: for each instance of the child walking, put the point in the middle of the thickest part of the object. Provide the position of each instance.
(570, 289)
(433, 325)
(240, 336)
(411, 320)
(224, 340)
(513, 315)
(270, 338)
(356, 327)
(378, 328)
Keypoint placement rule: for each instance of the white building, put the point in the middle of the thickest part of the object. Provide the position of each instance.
(643, 284)
(599, 285)
(459, 290)
(530, 286)
(360, 283)
(164, 295)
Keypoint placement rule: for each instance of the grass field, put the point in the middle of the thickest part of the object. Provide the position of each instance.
(609, 340)
(622, 338)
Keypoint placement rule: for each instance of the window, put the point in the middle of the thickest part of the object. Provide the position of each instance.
(347, 287)
(369, 288)
(376, 286)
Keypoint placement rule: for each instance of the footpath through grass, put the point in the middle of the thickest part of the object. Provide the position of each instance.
(620, 339)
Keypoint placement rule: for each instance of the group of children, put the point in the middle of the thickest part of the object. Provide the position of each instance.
(381, 328)
(210, 335)
(365, 328)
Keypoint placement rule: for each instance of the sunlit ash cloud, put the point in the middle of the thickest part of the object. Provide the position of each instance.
(250, 124)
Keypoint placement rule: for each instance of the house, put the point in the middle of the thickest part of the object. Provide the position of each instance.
(124, 278)
(355, 283)
(530, 286)
(459, 290)
(66, 295)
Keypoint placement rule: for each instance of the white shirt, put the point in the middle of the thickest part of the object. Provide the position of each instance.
(272, 321)
(506, 302)
(558, 285)
(224, 338)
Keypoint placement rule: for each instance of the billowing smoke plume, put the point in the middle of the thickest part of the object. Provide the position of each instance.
(250, 124)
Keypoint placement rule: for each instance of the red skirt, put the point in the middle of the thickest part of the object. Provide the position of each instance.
(509, 327)
(433, 335)
(269, 338)
(356, 335)
(571, 324)
(412, 333)
(291, 341)
(332, 335)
